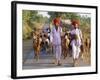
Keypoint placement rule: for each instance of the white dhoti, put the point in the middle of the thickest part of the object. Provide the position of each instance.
(75, 50)
(57, 52)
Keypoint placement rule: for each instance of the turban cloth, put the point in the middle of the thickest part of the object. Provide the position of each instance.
(74, 22)
(56, 20)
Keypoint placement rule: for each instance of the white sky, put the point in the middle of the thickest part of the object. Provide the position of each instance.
(85, 14)
(45, 14)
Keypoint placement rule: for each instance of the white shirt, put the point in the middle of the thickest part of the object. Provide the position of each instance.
(79, 34)
(55, 36)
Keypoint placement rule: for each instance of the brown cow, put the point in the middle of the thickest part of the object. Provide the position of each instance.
(87, 44)
(65, 45)
(85, 55)
(36, 45)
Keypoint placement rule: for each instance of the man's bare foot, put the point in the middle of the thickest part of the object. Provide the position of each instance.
(59, 63)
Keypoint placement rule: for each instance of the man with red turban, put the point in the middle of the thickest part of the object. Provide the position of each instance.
(55, 39)
(76, 40)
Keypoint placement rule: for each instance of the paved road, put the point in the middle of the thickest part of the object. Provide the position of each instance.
(46, 61)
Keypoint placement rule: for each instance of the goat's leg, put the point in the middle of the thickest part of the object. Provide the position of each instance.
(37, 55)
(34, 54)
(65, 54)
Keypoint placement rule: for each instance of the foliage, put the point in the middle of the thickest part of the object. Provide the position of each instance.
(31, 19)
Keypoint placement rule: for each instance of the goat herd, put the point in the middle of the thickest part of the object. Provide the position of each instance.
(41, 40)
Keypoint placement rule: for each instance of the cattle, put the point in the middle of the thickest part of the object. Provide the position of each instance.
(85, 49)
(37, 45)
(65, 45)
(87, 44)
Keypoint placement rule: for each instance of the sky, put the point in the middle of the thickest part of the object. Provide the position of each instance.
(45, 14)
(85, 14)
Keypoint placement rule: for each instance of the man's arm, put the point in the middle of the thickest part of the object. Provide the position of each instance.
(51, 36)
(81, 36)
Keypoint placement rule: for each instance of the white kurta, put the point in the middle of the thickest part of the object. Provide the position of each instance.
(76, 43)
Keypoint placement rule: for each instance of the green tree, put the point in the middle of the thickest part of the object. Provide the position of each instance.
(31, 20)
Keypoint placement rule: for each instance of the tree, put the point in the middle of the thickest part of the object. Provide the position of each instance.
(31, 19)
(64, 15)
(54, 15)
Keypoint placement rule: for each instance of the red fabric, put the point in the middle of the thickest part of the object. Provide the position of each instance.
(74, 22)
(56, 20)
